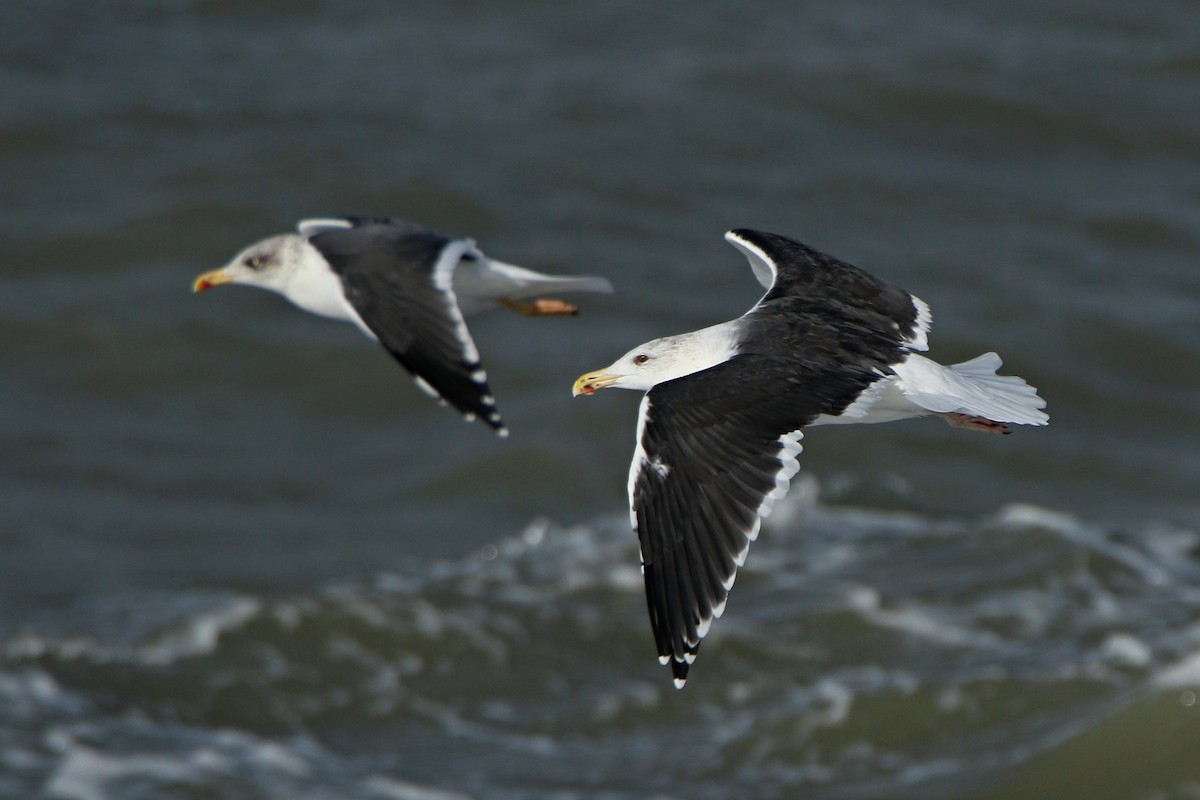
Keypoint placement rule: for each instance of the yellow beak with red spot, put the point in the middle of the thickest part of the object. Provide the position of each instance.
(591, 381)
(212, 278)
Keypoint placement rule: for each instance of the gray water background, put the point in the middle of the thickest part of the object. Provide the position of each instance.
(179, 467)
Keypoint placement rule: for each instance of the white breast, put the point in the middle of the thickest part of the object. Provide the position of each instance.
(314, 287)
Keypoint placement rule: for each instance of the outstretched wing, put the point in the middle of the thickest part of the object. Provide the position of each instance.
(788, 268)
(399, 279)
(715, 450)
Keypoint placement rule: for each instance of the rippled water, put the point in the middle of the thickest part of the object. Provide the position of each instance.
(857, 660)
(241, 556)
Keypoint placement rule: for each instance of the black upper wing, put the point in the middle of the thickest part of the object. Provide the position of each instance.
(801, 271)
(399, 279)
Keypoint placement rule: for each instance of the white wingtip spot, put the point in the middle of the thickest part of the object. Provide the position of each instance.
(719, 608)
(739, 558)
(679, 682)
(789, 448)
(502, 433)
(664, 660)
(689, 658)
(479, 376)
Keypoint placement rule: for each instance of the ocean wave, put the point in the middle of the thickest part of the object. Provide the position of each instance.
(1017, 624)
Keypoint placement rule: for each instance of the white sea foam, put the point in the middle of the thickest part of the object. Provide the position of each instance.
(1125, 650)
(922, 623)
(837, 700)
(1154, 570)
(199, 634)
(166, 759)
(193, 633)
(1182, 673)
(30, 693)
(87, 774)
(386, 788)
(1024, 515)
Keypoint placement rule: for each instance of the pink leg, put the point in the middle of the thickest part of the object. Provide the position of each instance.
(971, 422)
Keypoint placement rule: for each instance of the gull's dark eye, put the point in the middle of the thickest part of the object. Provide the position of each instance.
(254, 262)
(641, 358)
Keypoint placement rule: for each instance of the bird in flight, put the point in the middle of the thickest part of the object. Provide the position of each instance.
(407, 287)
(720, 426)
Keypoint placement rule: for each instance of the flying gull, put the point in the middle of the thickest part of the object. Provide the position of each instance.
(407, 287)
(720, 425)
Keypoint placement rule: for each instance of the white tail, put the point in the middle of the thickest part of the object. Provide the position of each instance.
(524, 283)
(972, 387)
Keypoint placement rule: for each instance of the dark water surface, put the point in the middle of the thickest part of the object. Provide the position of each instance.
(242, 556)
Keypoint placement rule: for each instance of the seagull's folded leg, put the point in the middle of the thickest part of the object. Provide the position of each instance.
(971, 422)
(541, 307)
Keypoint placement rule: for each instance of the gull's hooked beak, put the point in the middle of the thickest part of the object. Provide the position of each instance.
(210, 279)
(591, 381)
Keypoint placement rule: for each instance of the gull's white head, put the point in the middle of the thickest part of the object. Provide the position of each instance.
(272, 264)
(287, 264)
(661, 360)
